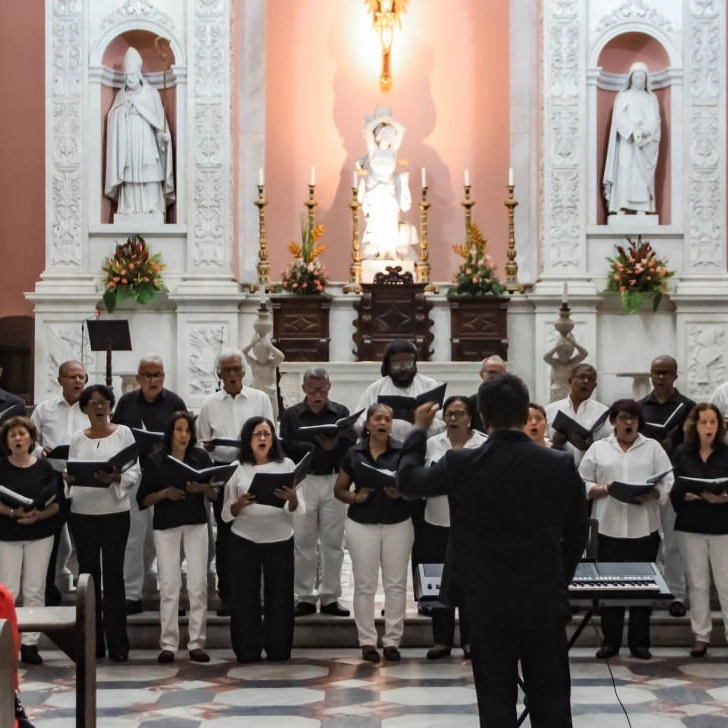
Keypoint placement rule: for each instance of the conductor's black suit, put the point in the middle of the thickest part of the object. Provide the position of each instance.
(519, 524)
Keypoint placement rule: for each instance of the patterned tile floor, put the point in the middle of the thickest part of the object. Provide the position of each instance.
(334, 689)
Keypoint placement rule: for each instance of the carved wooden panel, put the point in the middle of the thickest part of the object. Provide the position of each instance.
(301, 327)
(478, 327)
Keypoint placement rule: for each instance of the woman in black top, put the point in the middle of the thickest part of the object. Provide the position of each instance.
(27, 530)
(702, 517)
(378, 533)
(179, 522)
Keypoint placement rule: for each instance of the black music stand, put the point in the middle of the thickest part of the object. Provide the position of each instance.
(110, 335)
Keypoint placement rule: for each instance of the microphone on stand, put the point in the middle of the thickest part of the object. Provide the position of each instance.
(96, 315)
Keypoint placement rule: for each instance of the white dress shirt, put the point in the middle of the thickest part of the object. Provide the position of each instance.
(437, 509)
(56, 421)
(100, 501)
(586, 414)
(223, 415)
(604, 462)
(400, 428)
(256, 522)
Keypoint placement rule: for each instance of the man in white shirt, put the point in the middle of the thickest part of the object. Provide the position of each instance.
(56, 419)
(580, 407)
(223, 414)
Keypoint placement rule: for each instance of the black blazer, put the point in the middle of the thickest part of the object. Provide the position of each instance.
(518, 524)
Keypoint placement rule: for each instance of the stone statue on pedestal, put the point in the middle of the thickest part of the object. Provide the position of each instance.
(263, 358)
(634, 140)
(138, 146)
(563, 356)
(382, 192)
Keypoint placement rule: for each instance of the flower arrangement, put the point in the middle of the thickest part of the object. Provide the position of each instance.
(132, 273)
(476, 276)
(306, 276)
(637, 272)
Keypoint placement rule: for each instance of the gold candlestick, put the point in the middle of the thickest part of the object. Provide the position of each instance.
(467, 203)
(311, 204)
(423, 265)
(512, 285)
(354, 284)
(263, 264)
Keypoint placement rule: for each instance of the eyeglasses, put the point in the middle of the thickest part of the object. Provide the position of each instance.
(316, 390)
(263, 433)
(402, 366)
(232, 369)
(151, 375)
(624, 417)
(454, 414)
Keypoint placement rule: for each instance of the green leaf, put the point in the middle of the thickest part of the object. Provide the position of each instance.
(656, 298)
(145, 293)
(109, 298)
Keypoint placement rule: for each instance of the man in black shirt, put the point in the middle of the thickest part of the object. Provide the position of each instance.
(148, 408)
(323, 522)
(665, 410)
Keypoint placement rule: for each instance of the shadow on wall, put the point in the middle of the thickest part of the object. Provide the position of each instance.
(16, 355)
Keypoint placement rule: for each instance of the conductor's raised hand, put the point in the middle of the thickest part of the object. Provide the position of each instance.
(425, 414)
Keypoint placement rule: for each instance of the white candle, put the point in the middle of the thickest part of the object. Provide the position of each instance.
(261, 178)
(313, 175)
(565, 294)
(466, 177)
(510, 176)
(261, 293)
(354, 179)
(424, 177)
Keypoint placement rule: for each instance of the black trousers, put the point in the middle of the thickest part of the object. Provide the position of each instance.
(222, 551)
(496, 651)
(627, 549)
(255, 627)
(430, 548)
(100, 546)
(52, 592)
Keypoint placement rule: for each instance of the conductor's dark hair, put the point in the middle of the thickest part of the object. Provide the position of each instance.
(169, 430)
(398, 346)
(628, 406)
(106, 392)
(275, 454)
(503, 402)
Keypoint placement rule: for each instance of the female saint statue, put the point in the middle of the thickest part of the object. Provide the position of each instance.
(634, 140)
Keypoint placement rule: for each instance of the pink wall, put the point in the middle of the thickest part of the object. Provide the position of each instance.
(22, 141)
(450, 69)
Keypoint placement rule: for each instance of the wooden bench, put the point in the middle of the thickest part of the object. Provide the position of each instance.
(7, 675)
(73, 629)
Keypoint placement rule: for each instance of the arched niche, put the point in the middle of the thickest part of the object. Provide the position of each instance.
(609, 62)
(106, 77)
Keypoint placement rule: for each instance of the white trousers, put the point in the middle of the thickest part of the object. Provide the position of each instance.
(673, 561)
(705, 553)
(23, 567)
(321, 523)
(370, 546)
(139, 556)
(193, 541)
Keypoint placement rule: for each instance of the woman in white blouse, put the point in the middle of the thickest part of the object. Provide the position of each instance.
(627, 531)
(261, 545)
(99, 518)
(459, 420)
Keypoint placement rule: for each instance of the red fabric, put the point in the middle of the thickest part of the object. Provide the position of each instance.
(7, 611)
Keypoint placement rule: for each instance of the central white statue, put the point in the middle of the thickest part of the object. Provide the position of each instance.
(138, 148)
(382, 192)
(634, 141)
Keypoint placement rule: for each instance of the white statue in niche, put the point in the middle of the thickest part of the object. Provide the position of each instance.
(138, 148)
(634, 140)
(384, 193)
(263, 358)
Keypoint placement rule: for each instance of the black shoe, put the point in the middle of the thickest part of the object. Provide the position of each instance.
(334, 609)
(119, 656)
(165, 656)
(133, 606)
(29, 655)
(607, 651)
(641, 653)
(304, 609)
(223, 610)
(467, 653)
(677, 608)
(199, 655)
(438, 651)
(369, 653)
(391, 654)
(699, 649)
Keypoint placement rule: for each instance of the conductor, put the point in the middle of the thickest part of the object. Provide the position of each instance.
(518, 528)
